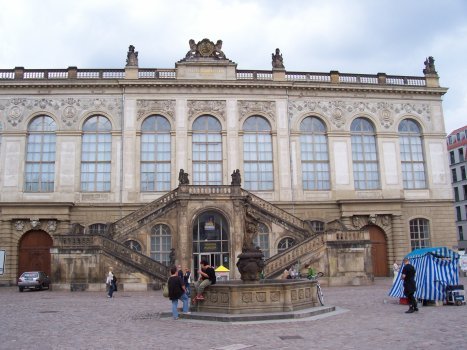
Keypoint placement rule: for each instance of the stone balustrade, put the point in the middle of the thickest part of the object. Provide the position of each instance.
(333, 77)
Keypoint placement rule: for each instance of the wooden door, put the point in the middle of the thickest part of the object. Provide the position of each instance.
(379, 255)
(34, 252)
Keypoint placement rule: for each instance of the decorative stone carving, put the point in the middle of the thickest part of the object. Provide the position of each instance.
(183, 178)
(247, 297)
(275, 296)
(35, 223)
(70, 109)
(147, 107)
(208, 107)
(247, 108)
(338, 110)
(430, 66)
(236, 178)
(132, 57)
(261, 297)
(277, 60)
(205, 49)
(19, 225)
(52, 225)
(372, 219)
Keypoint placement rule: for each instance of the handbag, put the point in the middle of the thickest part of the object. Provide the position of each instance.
(165, 290)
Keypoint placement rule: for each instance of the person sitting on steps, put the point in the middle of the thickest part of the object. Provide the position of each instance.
(207, 276)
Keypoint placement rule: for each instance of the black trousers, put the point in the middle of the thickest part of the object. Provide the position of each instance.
(412, 300)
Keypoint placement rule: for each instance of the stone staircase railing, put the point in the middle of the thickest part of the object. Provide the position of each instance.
(276, 214)
(115, 249)
(143, 215)
(279, 262)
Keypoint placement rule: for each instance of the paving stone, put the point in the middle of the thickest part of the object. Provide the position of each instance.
(365, 318)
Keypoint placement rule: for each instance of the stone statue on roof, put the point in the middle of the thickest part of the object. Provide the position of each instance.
(277, 60)
(430, 66)
(132, 57)
(205, 49)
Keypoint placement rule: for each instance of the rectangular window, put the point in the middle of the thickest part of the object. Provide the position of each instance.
(463, 174)
(456, 194)
(458, 214)
(465, 191)
(461, 233)
(461, 154)
(452, 157)
(454, 175)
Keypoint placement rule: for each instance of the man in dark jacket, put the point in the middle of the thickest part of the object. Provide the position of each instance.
(408, 275)
(177, 292)
(207, 277)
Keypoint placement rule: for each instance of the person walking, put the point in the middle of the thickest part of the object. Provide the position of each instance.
(110, 283)
(177, 292)
(410, 287)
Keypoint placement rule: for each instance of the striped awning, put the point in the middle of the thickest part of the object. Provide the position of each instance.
(435, 268)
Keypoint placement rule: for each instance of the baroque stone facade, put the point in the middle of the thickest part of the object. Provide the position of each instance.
(254, 121)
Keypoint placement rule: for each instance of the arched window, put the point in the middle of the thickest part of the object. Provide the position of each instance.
(161, 242)
(413, 164)
(97, 229)
(285, 244)
(364, 155)
(419, 233)
(132, 244)
(257, 154)
(40, 155)
(314, 151)
(262, 239)
(207, 151)
(155, 154)
(96, 154)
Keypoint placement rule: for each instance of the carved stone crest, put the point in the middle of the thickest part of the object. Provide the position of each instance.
(35, 223)
(52, 225)
(385, 118)
(247, 108)
(164, 107)
(205, 49)
(214, 107)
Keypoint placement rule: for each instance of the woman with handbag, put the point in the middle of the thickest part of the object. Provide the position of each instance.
(177, 292)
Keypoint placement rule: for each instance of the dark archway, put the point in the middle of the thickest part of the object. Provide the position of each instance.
(34, 252)
(379, 249)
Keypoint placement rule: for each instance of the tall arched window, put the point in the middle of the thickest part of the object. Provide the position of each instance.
(155, 154)
(207, 151)
(135, 245)
(314, 151)
(419, 233)
(40, 155)
(262, 239)
(413, 164)
(285, 244)
(364, 155)
(257, 154)
(161, 242)
(96, 154)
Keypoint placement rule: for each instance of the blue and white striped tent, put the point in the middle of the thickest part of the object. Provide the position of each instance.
(435, 268)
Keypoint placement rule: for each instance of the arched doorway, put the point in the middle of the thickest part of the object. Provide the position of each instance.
(211, 240)
(379, 255)
(34, 252)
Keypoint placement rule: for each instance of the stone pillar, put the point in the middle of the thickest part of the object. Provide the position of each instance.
(432, 80)
(72, 72)
(399, 238)
(131, 72)
(334, 77)
(278, 74)
(382, 78)
(19, 72)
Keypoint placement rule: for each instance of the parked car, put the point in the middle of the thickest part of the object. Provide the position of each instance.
(33, 280)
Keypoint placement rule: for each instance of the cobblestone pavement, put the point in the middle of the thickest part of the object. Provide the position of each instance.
(367, 319)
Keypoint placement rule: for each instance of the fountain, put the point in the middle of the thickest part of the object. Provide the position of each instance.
(252, 298)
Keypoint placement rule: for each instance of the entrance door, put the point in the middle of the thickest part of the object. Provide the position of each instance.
(210, 241)
(379, 254)
(34, 252)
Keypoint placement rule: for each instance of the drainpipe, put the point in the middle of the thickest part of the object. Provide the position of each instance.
(122, 126)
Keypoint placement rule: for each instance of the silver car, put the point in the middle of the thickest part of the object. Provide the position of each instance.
(33, 280)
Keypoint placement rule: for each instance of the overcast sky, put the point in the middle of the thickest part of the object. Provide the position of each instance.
(351, 36)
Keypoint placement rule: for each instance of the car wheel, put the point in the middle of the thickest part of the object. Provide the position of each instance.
(21, 289)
